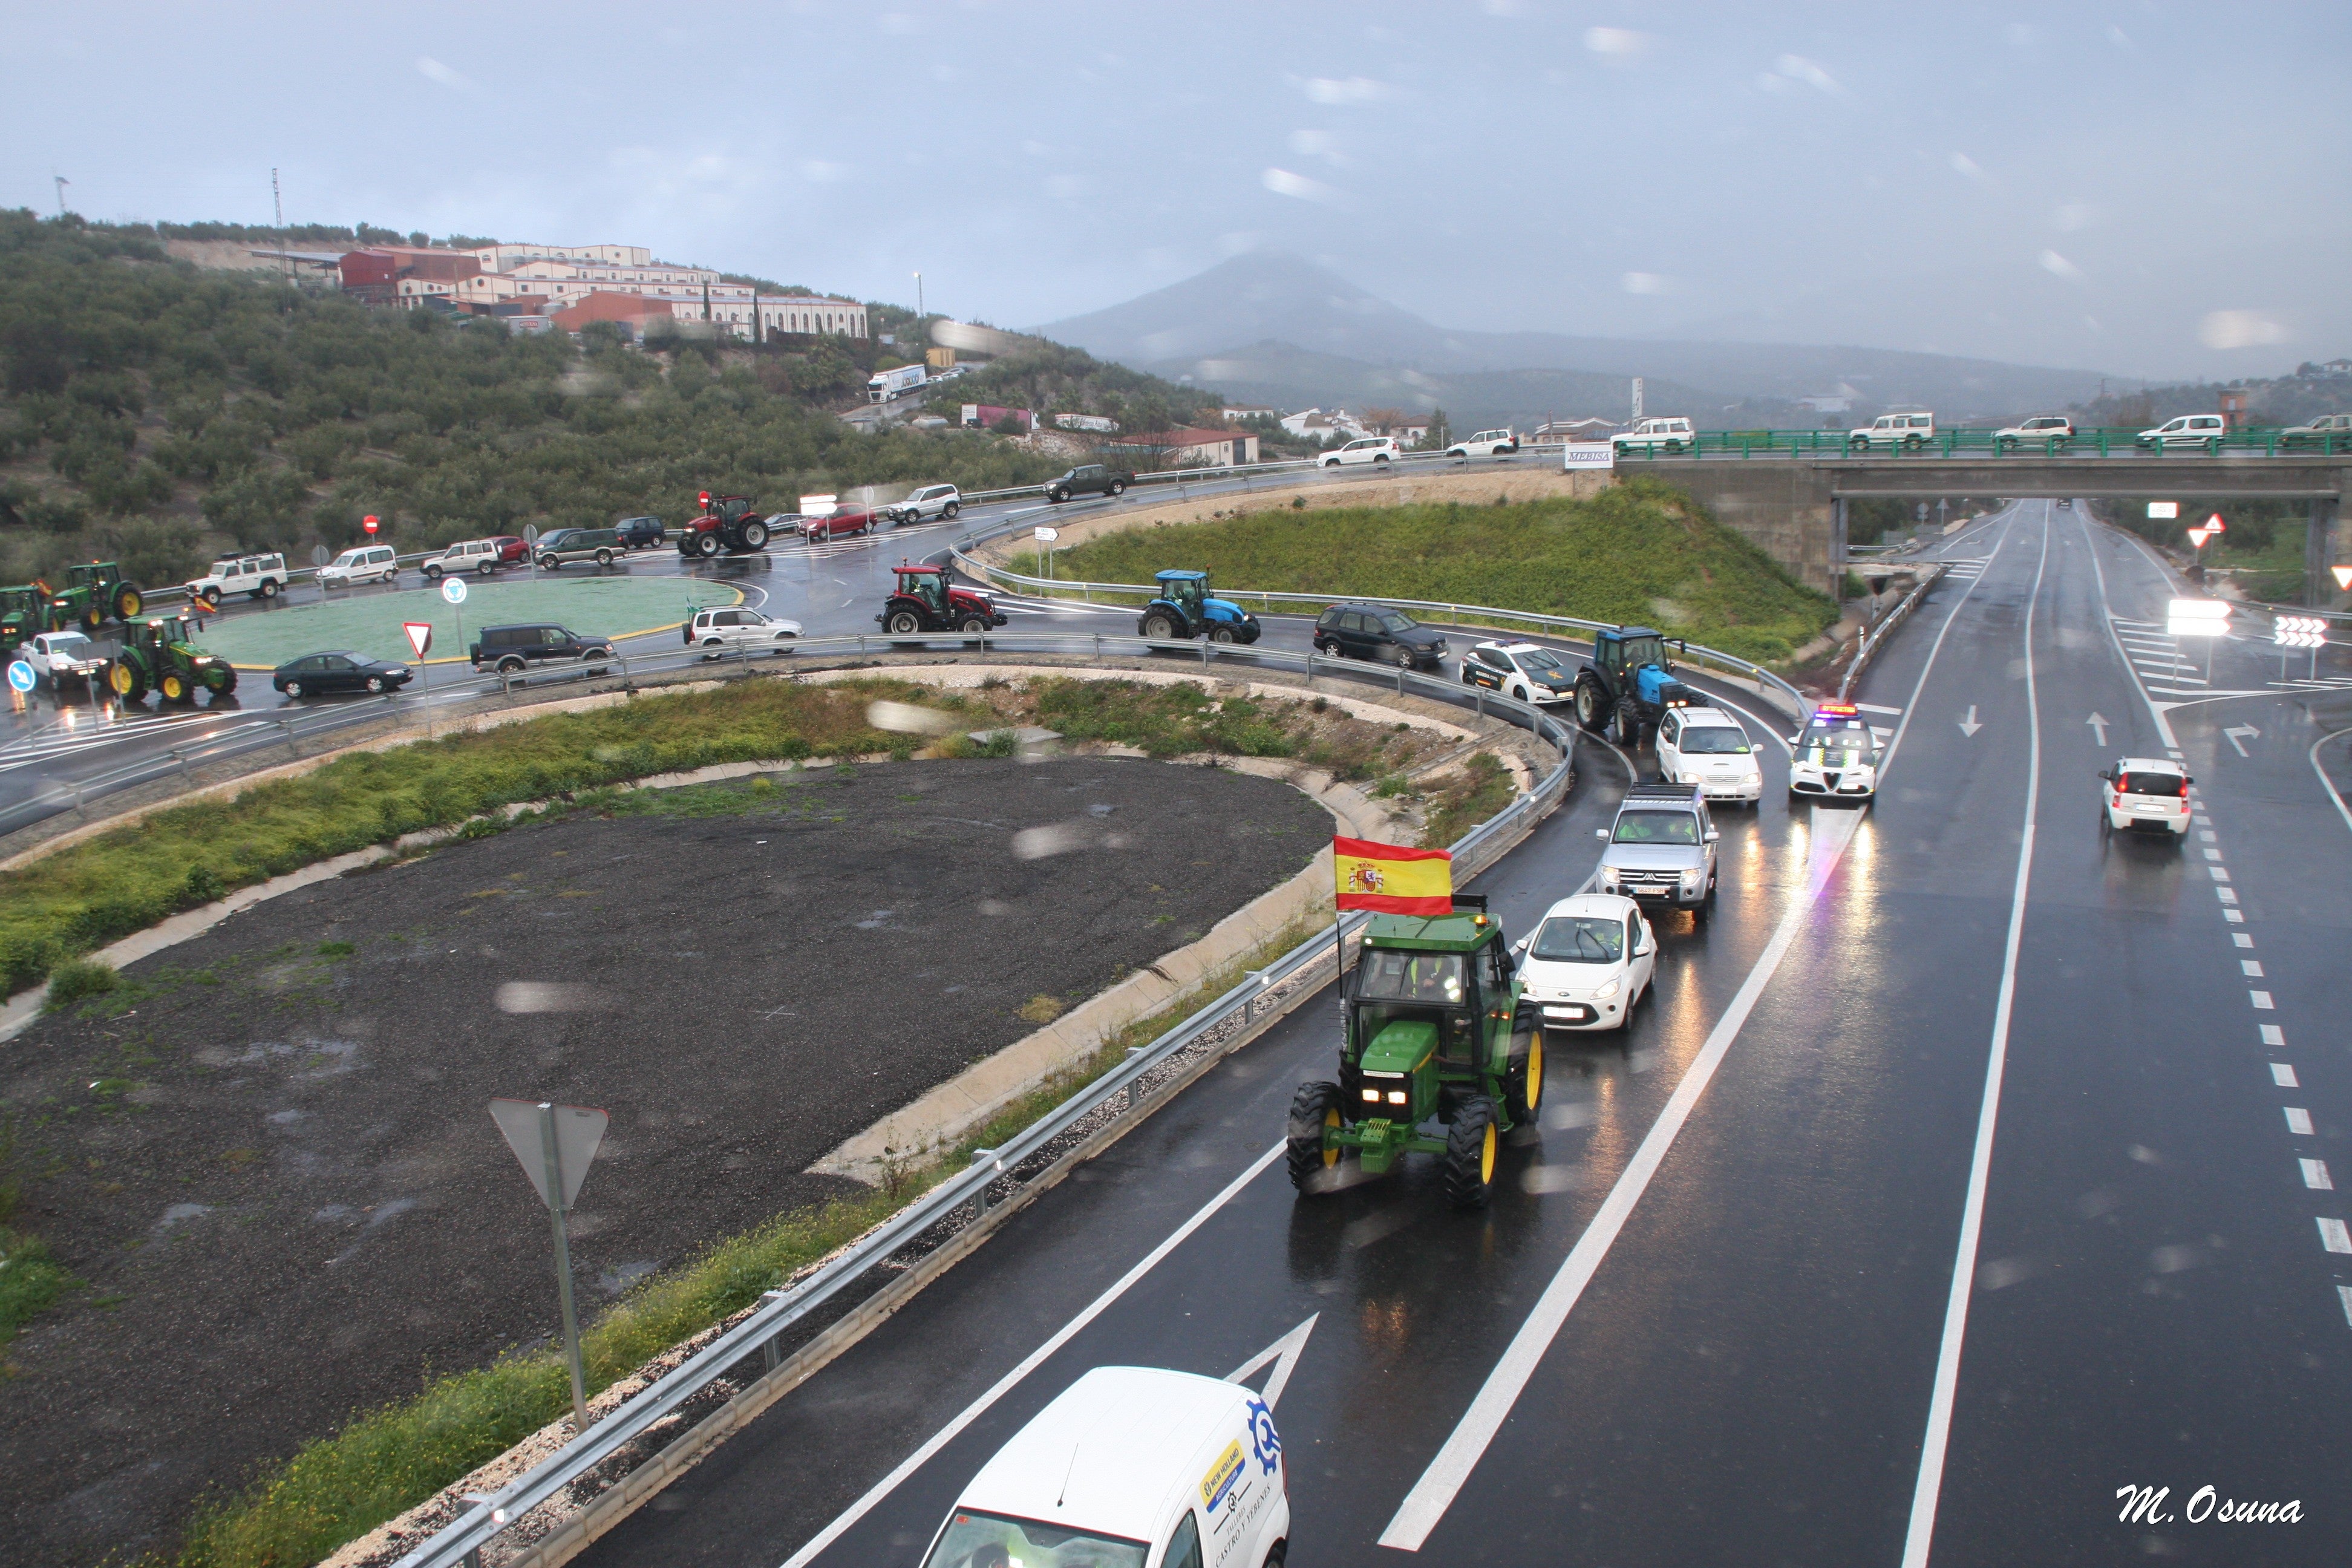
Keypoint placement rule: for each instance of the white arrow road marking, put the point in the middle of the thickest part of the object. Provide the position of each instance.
(2238, 734)
(1969, 726)
(2098, 727)
(1284, 1353)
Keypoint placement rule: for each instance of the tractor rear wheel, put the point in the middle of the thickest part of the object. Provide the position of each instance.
(1523, 1084)
(755, 535)
(905, 623)
(1314, 1109)
(1160, 628)
(1471, 1145)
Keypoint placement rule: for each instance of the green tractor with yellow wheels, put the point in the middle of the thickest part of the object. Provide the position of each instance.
(1437, 1057)
(157, 655)
(24, 616)
(94, 593)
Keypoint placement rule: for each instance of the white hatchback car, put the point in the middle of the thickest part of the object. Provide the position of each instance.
(719, 630)
(1130, 1467)
(1709, 748)
(2147, 795)
(1486, 444)
(1371, 450)
(1588, 962)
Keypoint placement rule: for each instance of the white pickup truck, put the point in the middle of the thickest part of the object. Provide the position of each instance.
(255, 576)
(1907, 431)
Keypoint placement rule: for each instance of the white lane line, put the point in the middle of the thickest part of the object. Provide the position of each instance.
(1874, 707)
(2334, 1236)
(1911, 703)
(2163, 725)
(2314, 1175)
(2252, 967)
(2242, 939)
(1929, 1491)
(2283, 1075)
(2327, 784)
(2344, 1294)
(2272, 1034)
(2261, 1001)
(2298, 1121)
(1434, 1493)
(1069, 1330)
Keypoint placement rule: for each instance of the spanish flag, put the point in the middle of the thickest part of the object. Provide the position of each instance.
(1392, 879)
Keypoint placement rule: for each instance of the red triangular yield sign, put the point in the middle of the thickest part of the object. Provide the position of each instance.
(420, 635)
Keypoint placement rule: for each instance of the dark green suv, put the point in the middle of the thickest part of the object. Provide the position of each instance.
(1088, 479)
(602, 545)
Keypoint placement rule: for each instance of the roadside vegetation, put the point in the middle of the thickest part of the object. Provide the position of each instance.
(2260, 553)
(152, 413)
(1641, 552)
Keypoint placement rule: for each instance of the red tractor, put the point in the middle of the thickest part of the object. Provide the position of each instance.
(925, 601)
(731, 523)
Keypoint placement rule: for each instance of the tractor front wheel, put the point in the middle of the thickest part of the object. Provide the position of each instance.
(707, 547)
(1523, 1084)
(1221, 634)
(220, 680)
(1629, 725)
(1588, 706)
(92, 618)
(1314, 1109)
(125, 682)
(174, 686)
(973, 626)
(127, 602)
(1471, 1144)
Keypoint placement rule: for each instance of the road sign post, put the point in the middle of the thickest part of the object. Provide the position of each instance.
(20, 681)
(556, 1145)
(1045, 536)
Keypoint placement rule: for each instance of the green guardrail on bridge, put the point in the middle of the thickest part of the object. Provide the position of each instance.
(1952, 442)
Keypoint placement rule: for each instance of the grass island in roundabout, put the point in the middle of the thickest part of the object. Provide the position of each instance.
(369, 622)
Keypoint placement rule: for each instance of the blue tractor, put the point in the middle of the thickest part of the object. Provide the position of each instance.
(1185, 608)
(1629, 684)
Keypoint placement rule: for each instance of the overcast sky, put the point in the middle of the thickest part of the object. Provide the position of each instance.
(2151, 189)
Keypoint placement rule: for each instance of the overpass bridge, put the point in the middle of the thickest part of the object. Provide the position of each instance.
(1791, 500)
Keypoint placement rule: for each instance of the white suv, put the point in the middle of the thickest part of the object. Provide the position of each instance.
(1485, 444)
(2052, 431)
(1655, 435)
(1371, 450)
(367, 564)
(255, 576)
(719, 630)
(1709, 748)
(2204, 430)
(466, 555)
(1588, 962)
(931, 500)
(2333, 431)
(1907, 431)
(2146, 793)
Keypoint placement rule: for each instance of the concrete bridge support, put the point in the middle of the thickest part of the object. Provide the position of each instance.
(2319, 589)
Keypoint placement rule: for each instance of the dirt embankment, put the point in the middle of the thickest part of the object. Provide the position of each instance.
(269, 1157)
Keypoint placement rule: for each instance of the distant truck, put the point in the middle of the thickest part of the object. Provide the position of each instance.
(885, 385)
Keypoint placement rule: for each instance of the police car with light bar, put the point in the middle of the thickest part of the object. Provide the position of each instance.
(1836, 754)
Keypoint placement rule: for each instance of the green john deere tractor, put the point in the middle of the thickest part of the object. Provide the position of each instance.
(157, 655)
(24, 616)
(94, 595)
(1434, 1034)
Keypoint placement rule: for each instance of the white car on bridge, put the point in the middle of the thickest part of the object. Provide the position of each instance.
(2051, 431)
(1655, 435)
(2330, 430)
(1485, 444)
(1908, 432)
(2204, 430)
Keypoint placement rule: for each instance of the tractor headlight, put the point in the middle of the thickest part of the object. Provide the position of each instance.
(1372, 1096)
(1397, 1096)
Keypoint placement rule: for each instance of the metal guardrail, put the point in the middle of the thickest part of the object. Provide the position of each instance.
(1872, 640)
(759, 1336)
(1267, 598)
(1953, 442)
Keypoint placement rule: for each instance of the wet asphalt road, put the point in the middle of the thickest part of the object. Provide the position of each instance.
(1768, 1183)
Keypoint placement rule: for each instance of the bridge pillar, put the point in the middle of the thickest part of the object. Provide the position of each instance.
(1838, 556)
(2319, 555)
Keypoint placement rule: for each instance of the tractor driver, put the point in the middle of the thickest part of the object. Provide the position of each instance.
(928, 586)
(1434, 977)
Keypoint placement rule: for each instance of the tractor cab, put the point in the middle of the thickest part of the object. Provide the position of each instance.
(929, 584)
(728, 510)
(1188, 591)
(1433, 1033)
(160, 633)
(1629, 648)
(24, 614)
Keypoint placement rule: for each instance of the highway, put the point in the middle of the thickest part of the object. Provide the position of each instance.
(1969, 1168)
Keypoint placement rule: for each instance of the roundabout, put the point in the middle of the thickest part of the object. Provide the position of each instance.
(369, 622)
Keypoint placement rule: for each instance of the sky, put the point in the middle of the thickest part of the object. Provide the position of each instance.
(2149, 189)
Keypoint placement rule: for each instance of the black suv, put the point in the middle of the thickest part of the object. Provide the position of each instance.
(640, 532)
(1375, 631)
(1088, 480)
(510, 649)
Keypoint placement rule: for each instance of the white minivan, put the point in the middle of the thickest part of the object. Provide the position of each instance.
(365, 563)
(2204, 430)
(1131, 1467)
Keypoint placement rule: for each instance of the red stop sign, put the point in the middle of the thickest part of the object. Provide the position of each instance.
(368, 523)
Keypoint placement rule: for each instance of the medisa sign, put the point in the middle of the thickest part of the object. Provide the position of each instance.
(1590, 455)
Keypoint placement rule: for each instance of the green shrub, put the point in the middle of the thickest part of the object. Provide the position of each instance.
(80, 978)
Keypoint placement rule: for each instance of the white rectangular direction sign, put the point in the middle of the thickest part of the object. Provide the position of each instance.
(1047, 536)
(1590, 455)
(2164, 508)
(2197, 618)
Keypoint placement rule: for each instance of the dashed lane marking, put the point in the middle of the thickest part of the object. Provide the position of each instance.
(2283, 1075)
(2334, 1236)
(2298, 1121)
(2314, 1175)
(2261, 999)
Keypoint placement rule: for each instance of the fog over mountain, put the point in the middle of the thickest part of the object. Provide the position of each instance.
(1274, 327)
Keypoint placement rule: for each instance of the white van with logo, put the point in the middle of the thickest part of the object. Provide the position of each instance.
(1131, 1468)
